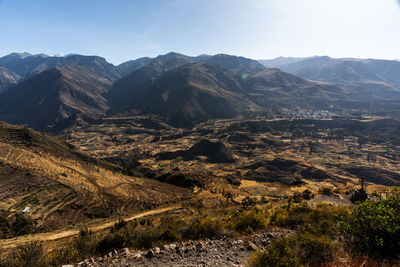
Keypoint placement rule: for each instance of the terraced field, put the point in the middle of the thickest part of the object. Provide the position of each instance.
(63, 187)
(280, 156)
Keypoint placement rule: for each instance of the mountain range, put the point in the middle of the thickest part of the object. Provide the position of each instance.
(365, 78)
(339, 70)
(43, 91)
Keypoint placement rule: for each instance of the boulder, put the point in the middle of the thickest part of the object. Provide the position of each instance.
(199, 244)
(137, 255)
(150, 253)
(251, 246)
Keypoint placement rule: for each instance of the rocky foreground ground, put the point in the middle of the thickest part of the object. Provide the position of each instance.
(224, 251)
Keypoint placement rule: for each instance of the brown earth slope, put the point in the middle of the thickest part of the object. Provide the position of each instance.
(63, 187)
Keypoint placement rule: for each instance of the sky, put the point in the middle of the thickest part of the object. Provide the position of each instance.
(120, 30)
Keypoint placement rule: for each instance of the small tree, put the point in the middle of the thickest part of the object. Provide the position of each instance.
(307, 194)
(22, 225)
(359, 195)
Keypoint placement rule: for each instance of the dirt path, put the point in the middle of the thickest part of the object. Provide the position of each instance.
(221, 251)
(56, 235)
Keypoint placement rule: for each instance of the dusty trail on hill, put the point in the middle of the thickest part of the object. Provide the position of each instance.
(56, 235)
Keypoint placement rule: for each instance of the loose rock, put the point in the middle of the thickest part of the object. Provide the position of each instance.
(150, 253)
(251, 246)
(225, 251)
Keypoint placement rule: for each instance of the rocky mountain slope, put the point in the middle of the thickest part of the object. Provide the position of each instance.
(183, 90)
(168, 61)
(130, 66)
(130, 88)
(330, 69)
(197, 92)
(232, 63)
(190, 94)
(75, 86)
(25, 64)
(7, 79)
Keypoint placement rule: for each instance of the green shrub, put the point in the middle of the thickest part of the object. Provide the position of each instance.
(326, 191)
(62, 256)
(200, 228)
(249, 221)
(169, 235)
(28, 255)
(307, 194)
(22, 225)
(297, 250)
(297, 197)
(322, 220)
(281, 253)
(145, 238)
(278, 215)
(5, 227)
(131, 236)
(85, 243)
(314, 249)
(359, 195)
(118, 225)
(325, 220)
(292, 217)
(33, 255)
(114, 240)
(373, 228)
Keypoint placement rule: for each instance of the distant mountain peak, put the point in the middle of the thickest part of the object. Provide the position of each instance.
(204, 55)
(21, 55)
(171, 55)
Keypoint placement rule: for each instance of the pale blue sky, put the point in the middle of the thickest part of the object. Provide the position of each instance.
(120, 30)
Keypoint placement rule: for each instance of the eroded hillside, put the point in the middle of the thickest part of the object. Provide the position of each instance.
(62, 187)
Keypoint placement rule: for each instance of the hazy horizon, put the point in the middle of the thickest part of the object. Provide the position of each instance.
(123, 30)
(128, 59)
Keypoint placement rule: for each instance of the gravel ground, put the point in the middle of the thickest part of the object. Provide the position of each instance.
(225, 251)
